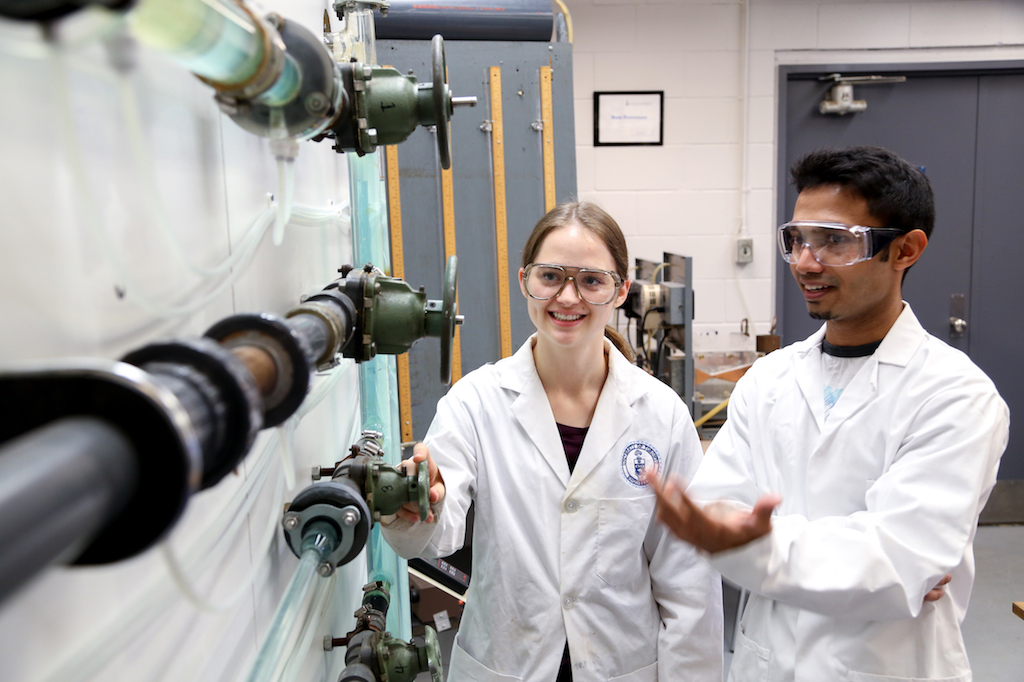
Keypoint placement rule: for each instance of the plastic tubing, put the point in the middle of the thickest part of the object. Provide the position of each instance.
(285, 189)
(296, 607)
(260, 549)
(146, 172)
(96, 225)
(216, 40)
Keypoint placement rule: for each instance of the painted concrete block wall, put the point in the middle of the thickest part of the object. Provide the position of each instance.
(689, 196)
(62, 296)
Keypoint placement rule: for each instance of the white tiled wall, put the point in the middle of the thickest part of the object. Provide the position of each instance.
(688, 196)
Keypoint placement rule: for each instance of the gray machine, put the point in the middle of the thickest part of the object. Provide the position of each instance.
(663, 312)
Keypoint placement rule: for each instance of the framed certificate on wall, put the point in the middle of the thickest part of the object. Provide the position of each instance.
(629, 118)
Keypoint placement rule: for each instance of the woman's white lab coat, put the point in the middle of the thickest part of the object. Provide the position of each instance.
(879, 502)
(556, 555)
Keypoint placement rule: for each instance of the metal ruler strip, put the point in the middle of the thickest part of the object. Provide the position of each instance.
(448, 211)
(548, 137)
(398, 271)
(500, 213)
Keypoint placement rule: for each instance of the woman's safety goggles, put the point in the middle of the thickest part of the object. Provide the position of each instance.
(544, 281)
(833, 243)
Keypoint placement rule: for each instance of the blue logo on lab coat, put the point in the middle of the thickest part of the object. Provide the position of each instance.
(637, 458)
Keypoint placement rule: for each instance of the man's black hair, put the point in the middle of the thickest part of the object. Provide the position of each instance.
(898, 194)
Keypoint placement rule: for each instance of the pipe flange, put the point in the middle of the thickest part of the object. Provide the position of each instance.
(166, 447)
(237, 389)
(288, 348)
(341, 5)
(270, 68)
(207, 390)
(331, 316)
(337, 503)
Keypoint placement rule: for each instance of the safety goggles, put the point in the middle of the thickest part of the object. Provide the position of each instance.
(833, 243)
(544, 281)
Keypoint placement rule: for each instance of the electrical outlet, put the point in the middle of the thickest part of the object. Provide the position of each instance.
(744, 250)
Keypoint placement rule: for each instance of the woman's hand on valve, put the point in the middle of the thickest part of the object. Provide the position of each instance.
(714, 528)
(410, 510)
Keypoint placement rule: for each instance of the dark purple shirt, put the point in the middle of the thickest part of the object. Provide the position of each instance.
(572, 442)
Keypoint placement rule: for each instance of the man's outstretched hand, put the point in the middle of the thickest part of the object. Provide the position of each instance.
(712, 529)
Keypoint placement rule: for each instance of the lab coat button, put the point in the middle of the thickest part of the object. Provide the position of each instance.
(568, 602)
(571, 506)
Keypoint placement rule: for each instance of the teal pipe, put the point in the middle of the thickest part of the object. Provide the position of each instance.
(378, 378)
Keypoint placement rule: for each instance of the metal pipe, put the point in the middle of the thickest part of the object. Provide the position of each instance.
(260, 364)
(60, 484)
(316, 331)
(515, 20)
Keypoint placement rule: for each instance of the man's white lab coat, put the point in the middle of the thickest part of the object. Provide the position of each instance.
(879, 503)
(556, 555)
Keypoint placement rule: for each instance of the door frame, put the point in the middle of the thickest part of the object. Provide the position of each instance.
(788, 71)
(1006, 503)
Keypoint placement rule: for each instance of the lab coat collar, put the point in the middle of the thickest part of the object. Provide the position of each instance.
(903, 339)
(532, 409)
(613, 415)
(897, 348)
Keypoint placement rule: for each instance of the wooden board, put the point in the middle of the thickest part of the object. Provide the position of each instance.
(398, 271)
(500, 213)
(548, 137)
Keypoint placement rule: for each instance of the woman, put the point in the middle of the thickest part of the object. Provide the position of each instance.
(572, 576)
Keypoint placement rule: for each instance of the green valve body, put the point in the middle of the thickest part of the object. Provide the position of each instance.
(396, 104)
(392, 316)
(385, 488)
(375, 656)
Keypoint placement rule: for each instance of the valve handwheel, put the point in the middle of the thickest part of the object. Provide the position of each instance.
(450, 318)
(423, 489)
(442, 100)
(433, 655)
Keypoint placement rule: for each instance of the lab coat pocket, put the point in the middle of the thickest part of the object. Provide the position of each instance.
(868, 677)
(750, 662)
(648, 673)
(465, 667)
(621, 526)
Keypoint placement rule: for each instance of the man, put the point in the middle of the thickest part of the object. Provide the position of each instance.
(881, 440)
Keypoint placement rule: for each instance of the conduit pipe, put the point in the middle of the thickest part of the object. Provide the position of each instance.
(187, 410)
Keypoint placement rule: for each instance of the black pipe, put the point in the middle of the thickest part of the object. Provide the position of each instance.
(60, 484)
(315, 331)
(515, 20)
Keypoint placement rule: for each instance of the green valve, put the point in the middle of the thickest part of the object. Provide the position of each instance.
(386, 106)
(402, 662)
(394, 316)
(373, 655)
(385, 488)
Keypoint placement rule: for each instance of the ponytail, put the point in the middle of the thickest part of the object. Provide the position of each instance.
(620, 343)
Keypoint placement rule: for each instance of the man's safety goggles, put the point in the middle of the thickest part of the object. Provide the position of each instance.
(833, 243)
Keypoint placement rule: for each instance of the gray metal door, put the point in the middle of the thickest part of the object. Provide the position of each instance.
(997, 281)
(958, 123)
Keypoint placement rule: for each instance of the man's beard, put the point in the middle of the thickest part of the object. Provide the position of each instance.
(826, 315)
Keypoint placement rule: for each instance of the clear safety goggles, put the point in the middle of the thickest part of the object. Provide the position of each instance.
(833, 243)
(544, 281)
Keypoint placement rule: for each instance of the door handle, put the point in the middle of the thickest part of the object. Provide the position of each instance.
(957, 316)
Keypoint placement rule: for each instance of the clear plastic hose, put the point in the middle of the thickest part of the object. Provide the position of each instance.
(378, 391)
